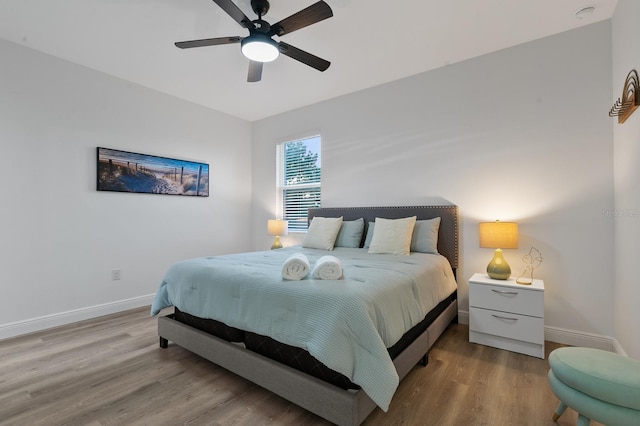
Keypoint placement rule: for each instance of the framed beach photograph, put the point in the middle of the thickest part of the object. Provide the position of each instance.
(123, 171)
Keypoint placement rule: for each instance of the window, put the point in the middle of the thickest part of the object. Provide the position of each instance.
(298, 180)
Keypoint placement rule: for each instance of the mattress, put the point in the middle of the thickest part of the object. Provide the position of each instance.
(347, 325)
(298, 358)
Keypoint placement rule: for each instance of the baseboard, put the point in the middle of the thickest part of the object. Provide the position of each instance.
(578, 338)
(54, 320)
(569, 337)
(617, 348)
(552, 334)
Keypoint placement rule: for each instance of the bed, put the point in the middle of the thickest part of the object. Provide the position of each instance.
(335, 367)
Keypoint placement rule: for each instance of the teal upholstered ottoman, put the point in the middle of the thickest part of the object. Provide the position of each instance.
(599, 385)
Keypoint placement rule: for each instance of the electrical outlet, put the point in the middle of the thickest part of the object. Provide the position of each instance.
(116, 275)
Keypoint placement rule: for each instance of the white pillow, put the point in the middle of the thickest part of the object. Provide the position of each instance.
(425, 236)
(322, 233)
(392, 236)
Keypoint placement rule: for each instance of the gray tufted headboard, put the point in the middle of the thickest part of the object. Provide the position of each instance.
(448, 234)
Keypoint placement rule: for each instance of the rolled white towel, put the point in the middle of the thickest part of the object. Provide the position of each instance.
(296, 267)
(327, 268)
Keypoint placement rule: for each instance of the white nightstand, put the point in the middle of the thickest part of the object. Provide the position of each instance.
(507, 315)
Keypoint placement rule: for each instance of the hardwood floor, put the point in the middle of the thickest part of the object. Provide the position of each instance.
(111, 371)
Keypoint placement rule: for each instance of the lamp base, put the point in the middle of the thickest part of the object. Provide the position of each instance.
(498, 268)
(276, 243)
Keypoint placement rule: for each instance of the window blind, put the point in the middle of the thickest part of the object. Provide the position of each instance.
(299, 180)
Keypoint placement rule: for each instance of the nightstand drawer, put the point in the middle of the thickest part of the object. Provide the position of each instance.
(507, 299)
(504, 324)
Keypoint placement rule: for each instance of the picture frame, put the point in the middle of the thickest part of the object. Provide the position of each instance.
(124, 171)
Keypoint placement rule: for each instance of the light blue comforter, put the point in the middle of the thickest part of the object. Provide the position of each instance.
(346, 324)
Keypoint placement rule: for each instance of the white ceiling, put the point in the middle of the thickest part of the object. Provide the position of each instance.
(368, 42)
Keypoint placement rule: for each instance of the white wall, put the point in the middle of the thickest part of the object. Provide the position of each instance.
(521, 134)
(60, 238)
(626, 56)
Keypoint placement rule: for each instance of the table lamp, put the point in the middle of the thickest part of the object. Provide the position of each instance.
(498, 235)
(277, 227)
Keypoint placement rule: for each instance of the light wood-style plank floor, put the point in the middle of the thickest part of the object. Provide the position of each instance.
(111, 371)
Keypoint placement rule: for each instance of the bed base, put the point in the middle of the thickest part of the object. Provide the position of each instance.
(339, 406)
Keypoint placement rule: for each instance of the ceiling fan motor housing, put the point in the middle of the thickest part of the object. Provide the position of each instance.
(260, 7)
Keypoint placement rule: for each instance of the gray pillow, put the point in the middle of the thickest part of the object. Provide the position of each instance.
(350, 233)
(367, 240)
(425, 236)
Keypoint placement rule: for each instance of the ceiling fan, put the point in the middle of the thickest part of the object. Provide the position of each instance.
(259, 46)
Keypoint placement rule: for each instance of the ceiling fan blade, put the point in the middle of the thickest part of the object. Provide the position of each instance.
(235, 13)
(207, 42)
(255, 71)
(312, 14)
(304, 57)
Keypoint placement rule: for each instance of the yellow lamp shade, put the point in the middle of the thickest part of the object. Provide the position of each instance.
(503, 235)
(277, 227)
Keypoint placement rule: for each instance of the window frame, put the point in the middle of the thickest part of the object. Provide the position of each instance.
(297, 223)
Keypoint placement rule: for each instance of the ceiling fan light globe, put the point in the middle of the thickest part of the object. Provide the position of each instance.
(260, 49)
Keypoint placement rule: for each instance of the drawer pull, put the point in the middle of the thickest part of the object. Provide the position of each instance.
(504, 318)
(514, 293)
